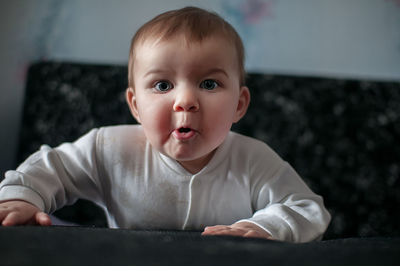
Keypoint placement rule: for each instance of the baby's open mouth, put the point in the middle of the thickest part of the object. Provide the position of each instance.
(184, 133)
(184, 130)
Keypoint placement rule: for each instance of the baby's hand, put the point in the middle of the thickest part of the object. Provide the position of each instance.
(244, 229)
(18, 212)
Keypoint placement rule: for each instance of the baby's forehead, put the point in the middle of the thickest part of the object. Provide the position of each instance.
(213, 48)
(183, 37)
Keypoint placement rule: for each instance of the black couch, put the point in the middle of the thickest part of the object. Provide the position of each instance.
(85, 246)
(342, 136)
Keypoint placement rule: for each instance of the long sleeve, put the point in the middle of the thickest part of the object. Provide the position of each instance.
(52, 178)
(288, 209)
(281, 202)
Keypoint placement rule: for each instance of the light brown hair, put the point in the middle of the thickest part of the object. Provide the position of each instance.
(196, 24)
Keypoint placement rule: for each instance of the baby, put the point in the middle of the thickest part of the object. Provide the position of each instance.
(182, 167)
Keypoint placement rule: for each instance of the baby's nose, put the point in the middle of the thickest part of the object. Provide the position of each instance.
(186, 100)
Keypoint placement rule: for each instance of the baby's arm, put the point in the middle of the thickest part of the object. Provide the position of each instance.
(18, 212)
(243, 229)
(285, 209)
(282, 206)
(50, 179)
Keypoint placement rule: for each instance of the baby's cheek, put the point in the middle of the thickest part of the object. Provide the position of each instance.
(221, 123)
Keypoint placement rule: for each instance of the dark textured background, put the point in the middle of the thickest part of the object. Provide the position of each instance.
(342, 136)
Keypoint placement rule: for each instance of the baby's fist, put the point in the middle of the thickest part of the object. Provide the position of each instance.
(18, 212)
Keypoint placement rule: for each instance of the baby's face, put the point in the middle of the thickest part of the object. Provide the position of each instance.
(187, 96)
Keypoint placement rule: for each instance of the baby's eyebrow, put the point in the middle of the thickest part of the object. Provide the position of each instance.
(155, 72)
(217, 71)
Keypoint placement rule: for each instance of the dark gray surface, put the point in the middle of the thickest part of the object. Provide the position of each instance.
(99, 246)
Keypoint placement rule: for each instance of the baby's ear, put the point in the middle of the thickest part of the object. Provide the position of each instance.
(243, 103)
(131, 100)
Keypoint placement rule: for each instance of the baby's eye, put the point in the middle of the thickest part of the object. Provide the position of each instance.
(163, 86)
(209, 84)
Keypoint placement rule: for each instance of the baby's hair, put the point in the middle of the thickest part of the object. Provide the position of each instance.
(196, 24)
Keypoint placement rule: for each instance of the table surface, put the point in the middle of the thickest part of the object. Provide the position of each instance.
(58, 245)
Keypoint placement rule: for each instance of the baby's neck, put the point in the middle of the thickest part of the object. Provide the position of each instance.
(195, 166)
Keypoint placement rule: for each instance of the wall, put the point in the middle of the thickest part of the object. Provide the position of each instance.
(342, 38)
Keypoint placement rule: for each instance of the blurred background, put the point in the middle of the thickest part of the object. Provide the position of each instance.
(322, 38)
